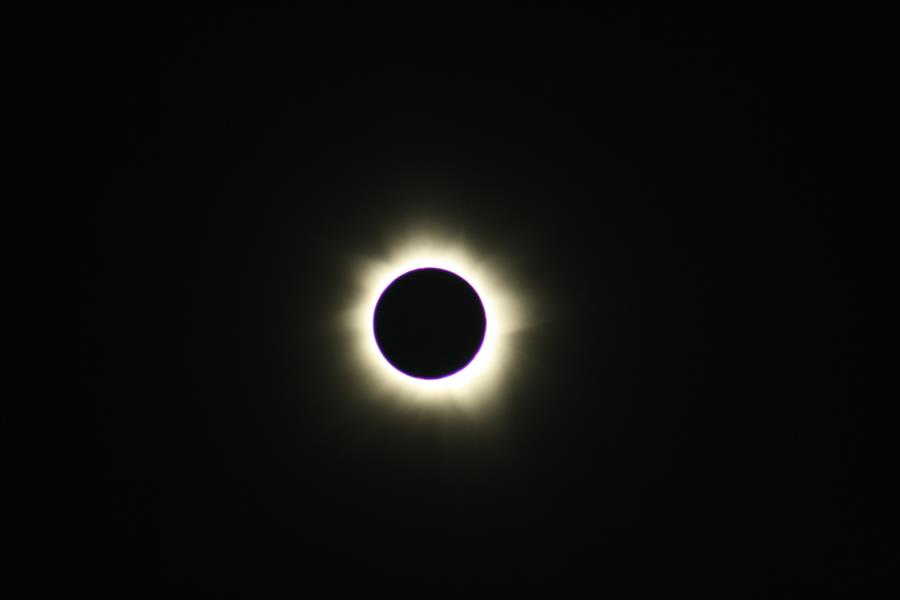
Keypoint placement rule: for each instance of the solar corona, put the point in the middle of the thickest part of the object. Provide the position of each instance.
(433, 324)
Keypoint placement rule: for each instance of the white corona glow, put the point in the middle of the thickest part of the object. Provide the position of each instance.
(478, 381)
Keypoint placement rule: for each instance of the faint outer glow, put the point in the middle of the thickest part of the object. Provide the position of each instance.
(481, 379)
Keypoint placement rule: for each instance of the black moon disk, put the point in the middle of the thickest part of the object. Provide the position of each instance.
(429, 323)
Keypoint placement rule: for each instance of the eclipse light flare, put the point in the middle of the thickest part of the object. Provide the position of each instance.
(481, 379)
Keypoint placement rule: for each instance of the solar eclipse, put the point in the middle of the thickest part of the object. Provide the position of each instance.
(433, 322)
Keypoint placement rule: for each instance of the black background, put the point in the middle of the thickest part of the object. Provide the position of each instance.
(692, 197)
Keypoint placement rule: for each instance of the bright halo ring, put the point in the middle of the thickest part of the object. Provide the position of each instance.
(482, 377)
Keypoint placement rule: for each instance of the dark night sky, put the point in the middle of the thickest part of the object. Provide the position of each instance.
(692, 198)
